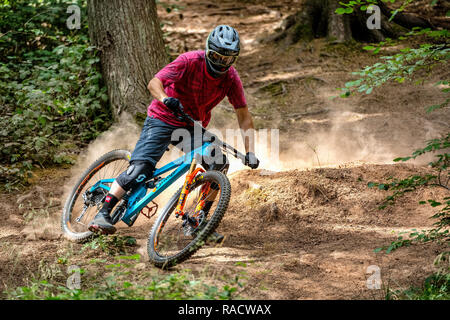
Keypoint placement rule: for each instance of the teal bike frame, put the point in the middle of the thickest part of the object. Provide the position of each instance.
(139, 198)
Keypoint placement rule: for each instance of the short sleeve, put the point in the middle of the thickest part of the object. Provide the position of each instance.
(173, 72)
(236, 94)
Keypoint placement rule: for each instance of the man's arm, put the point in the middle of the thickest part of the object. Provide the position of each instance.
(171, 73)
(156, 88)
(247, 128)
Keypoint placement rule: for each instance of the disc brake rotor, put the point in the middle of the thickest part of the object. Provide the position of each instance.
(191, 224)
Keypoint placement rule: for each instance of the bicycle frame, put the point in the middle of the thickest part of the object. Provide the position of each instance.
(139, 198)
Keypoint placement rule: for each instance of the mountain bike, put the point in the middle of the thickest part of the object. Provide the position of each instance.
(187, 220)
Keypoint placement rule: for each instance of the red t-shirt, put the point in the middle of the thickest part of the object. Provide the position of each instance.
(187, 79)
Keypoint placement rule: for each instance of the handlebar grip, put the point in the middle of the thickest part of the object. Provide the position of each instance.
(183, 114)
(175, 110)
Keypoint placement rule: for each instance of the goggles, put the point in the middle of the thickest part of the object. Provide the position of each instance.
(219, 59)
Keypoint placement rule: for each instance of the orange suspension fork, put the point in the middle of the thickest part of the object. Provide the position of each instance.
(186, 186)
(202, 199)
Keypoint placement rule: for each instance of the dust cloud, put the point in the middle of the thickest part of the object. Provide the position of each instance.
(345, 139)
(340, 138)
(122, 135)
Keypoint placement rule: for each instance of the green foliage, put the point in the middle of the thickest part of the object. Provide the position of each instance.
(350, 6)
(172, 287)
(376, 49)
(433, 145)
(51, 90)
(444, 104)
(406, 65)
(113, 283)
(439, 178)
(111, 245)
(433, 36)
(438, 234)
(435, 287)
(399, 67)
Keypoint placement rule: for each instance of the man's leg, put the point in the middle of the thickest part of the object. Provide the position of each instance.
(153, 142)
(133, 177)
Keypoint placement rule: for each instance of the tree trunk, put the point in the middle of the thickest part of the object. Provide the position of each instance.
(129, 38)
(338, 24)
(405, 19)
(318, 18)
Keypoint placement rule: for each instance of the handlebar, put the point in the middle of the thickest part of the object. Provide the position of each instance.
(217, 141)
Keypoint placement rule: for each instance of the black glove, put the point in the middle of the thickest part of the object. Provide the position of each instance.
(173, 104)
(251, 160)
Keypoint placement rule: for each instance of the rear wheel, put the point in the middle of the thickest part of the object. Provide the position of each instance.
(173, 239)
(84, 201)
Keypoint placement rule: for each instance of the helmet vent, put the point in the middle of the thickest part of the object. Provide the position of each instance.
(224, 40)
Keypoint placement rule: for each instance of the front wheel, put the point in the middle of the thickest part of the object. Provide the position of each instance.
(174, 239)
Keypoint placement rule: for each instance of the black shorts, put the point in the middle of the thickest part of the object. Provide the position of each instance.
(157, 135)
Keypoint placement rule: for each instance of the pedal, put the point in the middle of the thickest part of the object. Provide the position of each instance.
(150, 211)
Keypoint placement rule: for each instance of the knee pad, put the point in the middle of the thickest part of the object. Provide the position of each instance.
(137, 173)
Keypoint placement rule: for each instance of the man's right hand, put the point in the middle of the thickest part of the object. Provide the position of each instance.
(251, 160)
(173, 104)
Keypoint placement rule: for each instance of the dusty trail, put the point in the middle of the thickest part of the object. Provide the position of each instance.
(302, 233)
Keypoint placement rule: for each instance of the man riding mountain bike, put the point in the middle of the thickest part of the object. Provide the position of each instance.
(197, 81)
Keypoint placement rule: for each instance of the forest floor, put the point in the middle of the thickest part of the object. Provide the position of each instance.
(303, 227)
